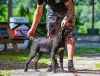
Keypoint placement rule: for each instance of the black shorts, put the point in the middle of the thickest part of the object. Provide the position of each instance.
(53, 22)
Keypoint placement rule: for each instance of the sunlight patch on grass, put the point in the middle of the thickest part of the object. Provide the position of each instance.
(13, 56)
(78, 58)
(97, 65)
(44, 60)
(6, 72)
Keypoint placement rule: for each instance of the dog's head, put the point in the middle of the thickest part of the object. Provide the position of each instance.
(61, 34)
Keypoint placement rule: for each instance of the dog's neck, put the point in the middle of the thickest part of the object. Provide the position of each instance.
(61, 39)
(61, 35)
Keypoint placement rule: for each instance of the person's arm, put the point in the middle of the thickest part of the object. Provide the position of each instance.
(70, 12)
(71, 9)
(36, 19)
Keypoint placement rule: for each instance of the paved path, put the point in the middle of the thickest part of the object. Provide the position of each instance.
(84, 65)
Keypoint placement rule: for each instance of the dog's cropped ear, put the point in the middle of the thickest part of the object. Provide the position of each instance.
(62, 31)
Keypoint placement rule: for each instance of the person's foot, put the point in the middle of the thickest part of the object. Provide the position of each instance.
(71, 66)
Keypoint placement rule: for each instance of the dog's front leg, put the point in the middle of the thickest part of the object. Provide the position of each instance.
(61, 53)
(53, 61)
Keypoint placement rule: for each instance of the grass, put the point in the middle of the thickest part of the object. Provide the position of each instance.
(18, 57)
(97, 65)
(22, 56)
(83, 51)
(12, 56)
(6, 72)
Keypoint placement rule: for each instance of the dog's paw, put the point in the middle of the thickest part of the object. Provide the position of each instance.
(25, 70)
(36, 70)
(49, 69)
(54, 71)
(62, 70)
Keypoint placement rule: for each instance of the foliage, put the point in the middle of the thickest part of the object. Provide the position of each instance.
(3, 11)
(3, 2)
(26, 8)
(84, 15)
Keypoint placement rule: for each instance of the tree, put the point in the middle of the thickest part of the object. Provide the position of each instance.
(3, 2)
(26, 8)
(3, 10)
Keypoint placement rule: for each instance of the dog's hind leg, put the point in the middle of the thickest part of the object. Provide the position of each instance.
(61, 53)
(36, 61)
(31, 56)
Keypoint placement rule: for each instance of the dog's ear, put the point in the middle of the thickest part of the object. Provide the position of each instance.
(62, 31)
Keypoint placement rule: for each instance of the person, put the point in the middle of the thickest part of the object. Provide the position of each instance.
(60, 13)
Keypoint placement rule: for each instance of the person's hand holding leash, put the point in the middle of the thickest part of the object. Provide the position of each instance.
(30, 32)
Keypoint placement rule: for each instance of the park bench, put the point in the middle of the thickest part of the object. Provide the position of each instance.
(11, 39)
(14, 39)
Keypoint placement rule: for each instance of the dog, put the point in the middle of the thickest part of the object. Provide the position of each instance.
(50, 46)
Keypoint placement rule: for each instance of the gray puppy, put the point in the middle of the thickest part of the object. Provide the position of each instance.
(50, 46)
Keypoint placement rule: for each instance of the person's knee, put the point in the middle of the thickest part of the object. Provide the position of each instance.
(70, 39)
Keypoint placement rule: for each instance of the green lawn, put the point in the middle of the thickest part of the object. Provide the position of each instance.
(6, 72)
(18, 57)
(22, 56)
(97, 65)
(82, 51)
(13, 56)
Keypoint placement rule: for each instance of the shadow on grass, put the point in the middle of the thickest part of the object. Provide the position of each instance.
(13, 60)
(8, 65)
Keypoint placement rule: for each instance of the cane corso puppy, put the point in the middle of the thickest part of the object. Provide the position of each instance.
(50, 46)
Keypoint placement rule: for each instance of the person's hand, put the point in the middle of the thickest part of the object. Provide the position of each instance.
(64, 23)
(30, 33)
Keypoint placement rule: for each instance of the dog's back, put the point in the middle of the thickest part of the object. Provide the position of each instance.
(43, 45)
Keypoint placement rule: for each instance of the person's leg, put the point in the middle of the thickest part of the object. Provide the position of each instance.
(70, 44)
(70, 48)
